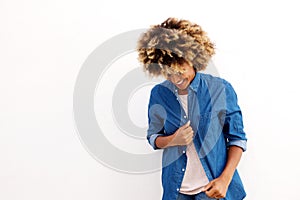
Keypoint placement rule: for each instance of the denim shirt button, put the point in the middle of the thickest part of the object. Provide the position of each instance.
(184, 116)
(183, 169)
(183, 151)
(177, 189)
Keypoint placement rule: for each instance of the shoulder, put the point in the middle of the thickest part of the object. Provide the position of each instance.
(214, 81)
(161, 93)
(162, 87)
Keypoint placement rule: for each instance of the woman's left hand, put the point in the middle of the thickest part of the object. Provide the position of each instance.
(217, 188)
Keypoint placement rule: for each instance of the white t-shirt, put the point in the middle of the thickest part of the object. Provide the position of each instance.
(194, 177)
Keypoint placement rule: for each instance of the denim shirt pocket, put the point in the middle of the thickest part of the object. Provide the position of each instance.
(210, 121)
(209, 130)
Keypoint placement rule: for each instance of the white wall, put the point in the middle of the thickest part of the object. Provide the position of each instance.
(43, 45)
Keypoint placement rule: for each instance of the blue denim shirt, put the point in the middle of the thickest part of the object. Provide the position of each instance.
(216, 120)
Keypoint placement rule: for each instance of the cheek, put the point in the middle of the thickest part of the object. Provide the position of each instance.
(188, 78)
(191, 76)
(171, 80)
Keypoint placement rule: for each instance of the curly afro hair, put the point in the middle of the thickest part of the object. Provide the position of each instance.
(162, 48)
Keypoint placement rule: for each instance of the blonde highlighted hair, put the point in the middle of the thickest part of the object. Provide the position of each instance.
(162, 48)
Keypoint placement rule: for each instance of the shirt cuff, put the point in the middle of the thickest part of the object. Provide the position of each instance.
(239, 143)
(152, 140)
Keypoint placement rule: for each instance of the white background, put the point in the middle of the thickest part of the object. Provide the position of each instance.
(44, 43)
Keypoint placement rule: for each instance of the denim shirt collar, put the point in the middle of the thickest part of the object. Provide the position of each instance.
(195, 83)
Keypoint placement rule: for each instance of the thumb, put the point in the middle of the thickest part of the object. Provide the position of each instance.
(207, 187)
(187, 124)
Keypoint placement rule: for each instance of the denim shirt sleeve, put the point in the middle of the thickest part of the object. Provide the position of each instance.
(156, 117)
(233, 126)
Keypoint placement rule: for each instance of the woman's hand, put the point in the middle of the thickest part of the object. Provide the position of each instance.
(217, 188)
(183, 135)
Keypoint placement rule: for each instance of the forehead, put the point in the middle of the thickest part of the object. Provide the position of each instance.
(178, 68)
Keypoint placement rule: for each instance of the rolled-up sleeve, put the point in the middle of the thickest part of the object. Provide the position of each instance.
(233, 126)
(156, 118)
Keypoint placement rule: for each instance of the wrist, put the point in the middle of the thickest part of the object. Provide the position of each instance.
(164, 141)
(226, 178)
(171, 141)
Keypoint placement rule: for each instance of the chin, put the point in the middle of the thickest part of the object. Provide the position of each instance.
(183, 87)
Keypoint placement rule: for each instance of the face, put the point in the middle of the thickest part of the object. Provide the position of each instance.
(183, 79)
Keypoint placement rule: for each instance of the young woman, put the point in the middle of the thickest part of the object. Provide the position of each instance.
(193, 117)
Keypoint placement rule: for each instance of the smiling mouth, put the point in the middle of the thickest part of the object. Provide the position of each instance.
(180, 82)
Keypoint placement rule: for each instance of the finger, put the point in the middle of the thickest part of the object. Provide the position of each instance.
(214, 192)
(190, 135)
(187, 132)
(214, 195)
(188, 129)
(188, 140)
(219, 197)
(209, 193)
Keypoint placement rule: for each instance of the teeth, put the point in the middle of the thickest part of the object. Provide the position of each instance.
(178, 83)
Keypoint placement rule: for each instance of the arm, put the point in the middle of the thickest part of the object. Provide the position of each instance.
(236, 144)
(234, 156)
(217, 188)
(156, 119)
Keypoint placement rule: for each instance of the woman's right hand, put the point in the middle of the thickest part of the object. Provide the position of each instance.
(183, 135)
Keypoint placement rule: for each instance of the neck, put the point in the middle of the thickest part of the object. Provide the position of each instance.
(183, 92)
